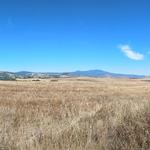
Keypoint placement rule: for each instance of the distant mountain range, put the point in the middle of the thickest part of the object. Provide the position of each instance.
(44, 75)
(101, 73)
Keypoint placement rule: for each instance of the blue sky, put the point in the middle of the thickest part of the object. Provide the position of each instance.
(69, 35)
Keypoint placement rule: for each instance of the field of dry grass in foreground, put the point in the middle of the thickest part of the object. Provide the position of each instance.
(75, 114)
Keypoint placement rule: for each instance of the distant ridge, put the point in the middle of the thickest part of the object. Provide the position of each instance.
(101, 73)
(90, 73)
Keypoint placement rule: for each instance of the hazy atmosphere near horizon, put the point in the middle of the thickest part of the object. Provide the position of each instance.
(69, 35)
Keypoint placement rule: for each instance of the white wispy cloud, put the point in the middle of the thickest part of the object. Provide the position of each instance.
(127, 50)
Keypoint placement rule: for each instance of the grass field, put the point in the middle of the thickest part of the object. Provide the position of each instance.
(75, 114)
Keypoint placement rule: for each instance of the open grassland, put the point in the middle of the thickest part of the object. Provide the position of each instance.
(75, 114)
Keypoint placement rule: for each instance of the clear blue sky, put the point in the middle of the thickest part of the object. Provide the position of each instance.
(69, 35)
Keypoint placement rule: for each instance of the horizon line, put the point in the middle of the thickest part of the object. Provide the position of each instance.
(75, 71)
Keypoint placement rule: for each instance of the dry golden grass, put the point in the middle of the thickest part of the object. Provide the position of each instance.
(75, 114)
